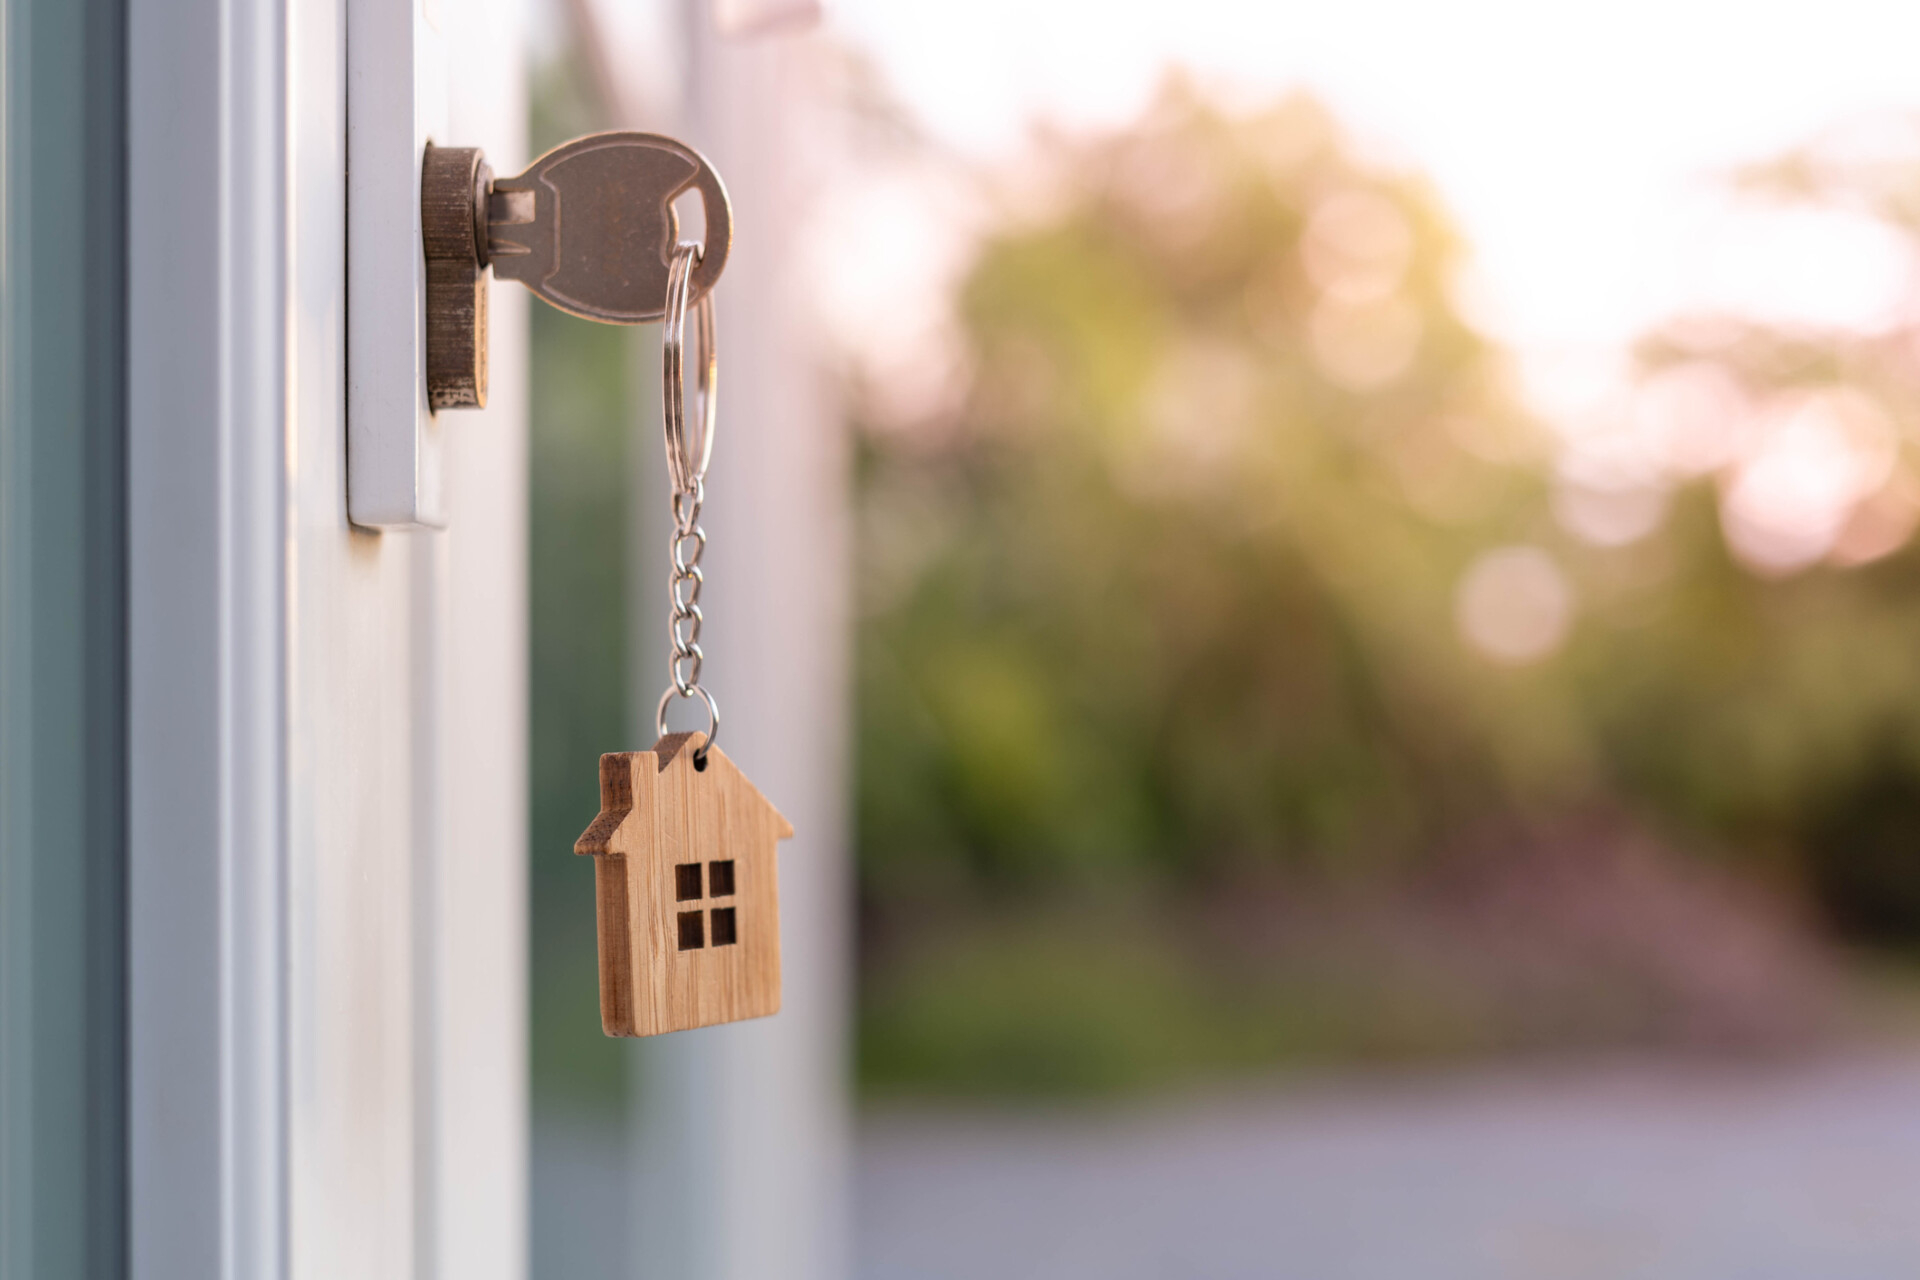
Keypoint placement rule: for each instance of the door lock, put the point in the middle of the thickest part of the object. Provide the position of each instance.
(590, 227)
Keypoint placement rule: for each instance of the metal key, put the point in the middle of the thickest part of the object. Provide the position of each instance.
(590, 227)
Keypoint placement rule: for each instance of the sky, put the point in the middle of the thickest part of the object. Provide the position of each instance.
(1583, 148)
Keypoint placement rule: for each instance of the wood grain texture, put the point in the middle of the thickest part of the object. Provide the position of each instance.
(659, 812)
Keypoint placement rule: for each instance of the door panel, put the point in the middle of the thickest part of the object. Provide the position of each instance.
(328, 722)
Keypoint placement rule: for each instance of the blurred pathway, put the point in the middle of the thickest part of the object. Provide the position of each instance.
(1808, 1172)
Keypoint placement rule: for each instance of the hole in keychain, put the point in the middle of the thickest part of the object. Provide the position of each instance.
(713, 719)
(686, 882)
(693, 934)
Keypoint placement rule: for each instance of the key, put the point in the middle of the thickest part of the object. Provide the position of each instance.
(590, 227)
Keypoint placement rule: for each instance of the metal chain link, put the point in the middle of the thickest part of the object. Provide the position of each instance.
(687, 467)
(683, 588)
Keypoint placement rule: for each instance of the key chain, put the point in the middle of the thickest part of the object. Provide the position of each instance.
(685, 877)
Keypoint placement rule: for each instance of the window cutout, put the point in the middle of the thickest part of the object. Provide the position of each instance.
(693, 934)
(725, 933)
(686, 882)
(720, 877)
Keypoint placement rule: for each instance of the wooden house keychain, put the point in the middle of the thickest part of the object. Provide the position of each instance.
(685, 877)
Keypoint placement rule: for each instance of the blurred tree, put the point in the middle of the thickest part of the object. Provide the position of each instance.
(1172, 592)
(1237, 577)
(1777, 706)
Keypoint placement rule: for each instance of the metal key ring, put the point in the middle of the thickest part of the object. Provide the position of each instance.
(713, 719)
(687, 461)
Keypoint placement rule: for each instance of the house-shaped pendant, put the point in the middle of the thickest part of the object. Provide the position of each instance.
(687, 890)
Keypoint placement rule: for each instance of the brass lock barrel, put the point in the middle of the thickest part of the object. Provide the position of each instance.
(454, 182)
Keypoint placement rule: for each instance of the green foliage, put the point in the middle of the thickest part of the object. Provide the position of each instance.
(579, 493)
(1052, 1004)
(1157, 601)
(1167, 606)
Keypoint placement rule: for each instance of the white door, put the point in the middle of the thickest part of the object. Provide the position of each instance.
(327, 744)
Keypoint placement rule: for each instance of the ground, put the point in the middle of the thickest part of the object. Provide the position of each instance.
(1647, 1170)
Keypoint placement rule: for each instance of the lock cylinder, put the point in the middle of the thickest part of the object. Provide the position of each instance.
(454, 184)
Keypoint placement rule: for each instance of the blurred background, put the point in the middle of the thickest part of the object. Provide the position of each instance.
(1382, 631)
